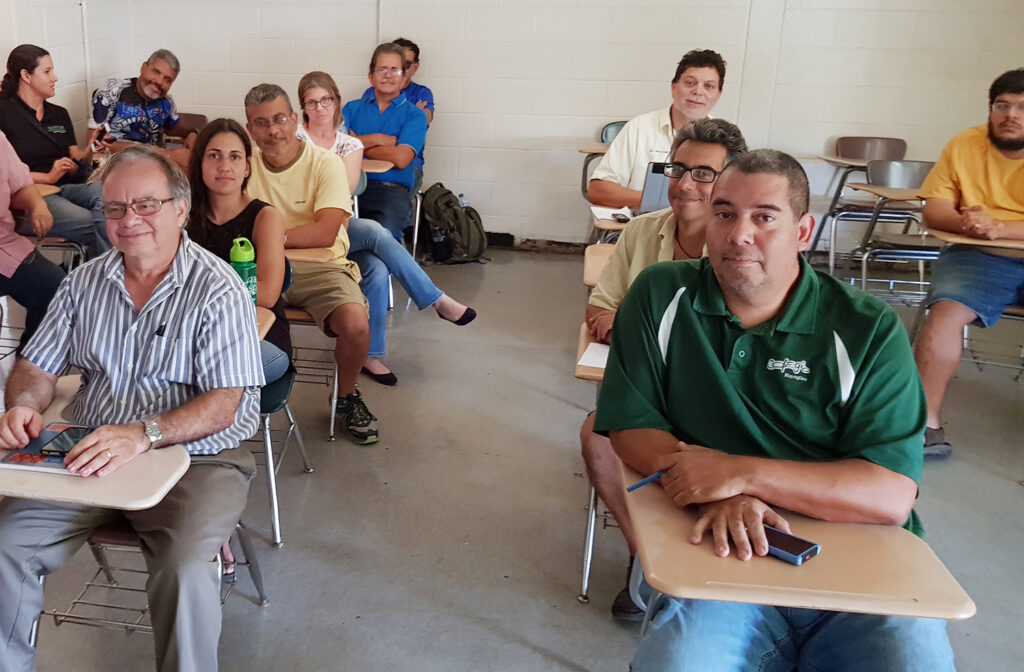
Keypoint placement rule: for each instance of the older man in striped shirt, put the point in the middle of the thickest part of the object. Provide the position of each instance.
(165, 336)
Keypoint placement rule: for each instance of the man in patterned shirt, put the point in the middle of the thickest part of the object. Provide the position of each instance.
(164, 333)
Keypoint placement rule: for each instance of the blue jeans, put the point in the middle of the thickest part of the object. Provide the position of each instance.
(985, 283)
(703, 635)
(389, 204)
(77, 217)
(32, 285)
(378, 256)
(274, 360)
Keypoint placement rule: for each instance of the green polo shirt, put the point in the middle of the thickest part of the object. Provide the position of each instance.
(831, 377)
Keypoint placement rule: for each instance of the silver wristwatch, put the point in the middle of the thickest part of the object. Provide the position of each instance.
(153, 432)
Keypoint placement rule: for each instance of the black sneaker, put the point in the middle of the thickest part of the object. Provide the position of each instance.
(623, 607)
(935, 444)
(360, 423)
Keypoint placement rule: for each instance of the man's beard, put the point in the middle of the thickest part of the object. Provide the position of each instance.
(1011, 145)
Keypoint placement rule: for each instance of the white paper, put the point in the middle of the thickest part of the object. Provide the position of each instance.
(596, 356)
(605, 214)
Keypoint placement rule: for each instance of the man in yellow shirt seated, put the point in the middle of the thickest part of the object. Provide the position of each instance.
(976, 189)
(699, 153)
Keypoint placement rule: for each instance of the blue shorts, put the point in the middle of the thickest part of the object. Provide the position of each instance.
(985, 283)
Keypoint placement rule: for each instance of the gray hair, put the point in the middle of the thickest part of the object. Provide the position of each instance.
(712, 132)
(774, 162)
(165, 55)
(264, 93)
(176, 180)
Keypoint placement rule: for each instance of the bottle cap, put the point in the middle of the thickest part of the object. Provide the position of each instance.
(242, 251)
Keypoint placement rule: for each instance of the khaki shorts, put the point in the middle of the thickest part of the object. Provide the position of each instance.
(319, 289)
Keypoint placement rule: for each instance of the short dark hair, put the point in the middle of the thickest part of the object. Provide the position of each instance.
(411, 46)
(386, 48)
(1011, 81)
(774, 162)
(23, 57)
(200, 192)
(165, 55)
(702, 58)
(712, 132)
(264, 93)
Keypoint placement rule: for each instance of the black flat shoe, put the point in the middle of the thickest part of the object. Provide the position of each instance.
(468, 316)
(388, 378)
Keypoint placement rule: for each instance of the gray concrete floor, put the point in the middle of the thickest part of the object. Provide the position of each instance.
(455, 543)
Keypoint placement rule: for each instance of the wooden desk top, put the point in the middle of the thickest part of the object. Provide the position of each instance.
(586, 372)
(961, 239)
(872, 569)
(593, 147)
(264, 320)
(140, 484)
(606, 224)
(889, 193)
(377, 166)
(842, 162)
(595, 258)
(47, 189)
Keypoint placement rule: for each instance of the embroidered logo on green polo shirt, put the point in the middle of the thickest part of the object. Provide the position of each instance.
(790, 369)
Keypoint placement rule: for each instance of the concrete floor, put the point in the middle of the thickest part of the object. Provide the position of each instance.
(455, 543)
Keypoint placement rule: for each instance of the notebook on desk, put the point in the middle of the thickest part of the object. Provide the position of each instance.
(655, 193)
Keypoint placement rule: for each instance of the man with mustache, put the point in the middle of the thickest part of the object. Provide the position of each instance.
(976, 189)
(618, 180)
(140, 109)
(698, 385)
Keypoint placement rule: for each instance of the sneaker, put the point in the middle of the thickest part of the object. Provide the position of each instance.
(623, 607)
(935, 444)
(360, 423)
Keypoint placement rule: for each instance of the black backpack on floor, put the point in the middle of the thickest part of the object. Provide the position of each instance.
(455, 232)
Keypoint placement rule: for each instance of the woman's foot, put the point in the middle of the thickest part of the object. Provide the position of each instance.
(229, 563)
(449, 309)
(375, 369)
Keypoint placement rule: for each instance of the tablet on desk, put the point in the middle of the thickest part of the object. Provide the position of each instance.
(46, 452)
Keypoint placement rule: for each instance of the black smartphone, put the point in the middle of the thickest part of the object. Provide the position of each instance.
(62, 444)
(793, 550)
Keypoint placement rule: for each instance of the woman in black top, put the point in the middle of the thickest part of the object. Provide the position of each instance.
(221, 212)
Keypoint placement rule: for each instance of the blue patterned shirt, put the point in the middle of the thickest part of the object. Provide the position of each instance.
(130, 116)
(196, 333)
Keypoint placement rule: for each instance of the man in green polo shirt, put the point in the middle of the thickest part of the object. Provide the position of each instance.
(754, 382)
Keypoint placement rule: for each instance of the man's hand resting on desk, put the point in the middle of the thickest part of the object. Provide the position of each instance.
(741, 517)
(600, 325)
(979, 225)
(107, 449)
(18, 426)
(695, 474)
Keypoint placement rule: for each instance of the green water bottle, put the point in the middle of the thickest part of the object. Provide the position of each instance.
(243, 260)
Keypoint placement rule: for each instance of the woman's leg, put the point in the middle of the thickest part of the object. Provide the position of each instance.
(375, 287)
(89, 196)
(366, 234)
(275, 361)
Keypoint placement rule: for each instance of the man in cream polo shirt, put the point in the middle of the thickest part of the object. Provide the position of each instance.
(619, 178)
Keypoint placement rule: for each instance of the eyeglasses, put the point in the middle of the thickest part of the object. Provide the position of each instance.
(264, 124)
(698, 174)
(143, 207)
(381, 71)
(324, 103)
(1003, 107)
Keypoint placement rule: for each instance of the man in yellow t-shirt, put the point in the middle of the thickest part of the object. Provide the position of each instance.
(698, 155)
(309, 186)
(976, 189)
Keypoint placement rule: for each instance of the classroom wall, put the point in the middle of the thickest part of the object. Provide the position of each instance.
(520, 83)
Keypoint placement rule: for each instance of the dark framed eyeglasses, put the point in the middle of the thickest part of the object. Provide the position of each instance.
(698, 174)
(143, 207)
(324, 103)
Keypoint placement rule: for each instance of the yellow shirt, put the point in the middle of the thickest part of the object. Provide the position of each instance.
(971, 171)
(645, 240)
(315, 180)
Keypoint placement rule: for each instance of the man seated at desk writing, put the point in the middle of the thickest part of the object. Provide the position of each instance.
(756, 382)
(164, 333)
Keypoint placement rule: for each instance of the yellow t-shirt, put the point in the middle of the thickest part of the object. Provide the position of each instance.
(316, 179)
(971, 171)
(645, 240)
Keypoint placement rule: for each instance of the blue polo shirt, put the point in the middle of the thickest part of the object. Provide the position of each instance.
(400, 118)
(415, 93)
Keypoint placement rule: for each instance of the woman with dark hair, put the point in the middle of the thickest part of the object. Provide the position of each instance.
(221, 212)
(371, 246)
(44, 139)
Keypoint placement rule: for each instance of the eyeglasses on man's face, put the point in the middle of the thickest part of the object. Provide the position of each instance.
(323, 103)
(1003, 107)
(143, 207)
(394, 72)
(277, 120)
(698, 174)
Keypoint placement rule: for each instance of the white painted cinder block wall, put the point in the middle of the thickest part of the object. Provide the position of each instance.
(520, 83)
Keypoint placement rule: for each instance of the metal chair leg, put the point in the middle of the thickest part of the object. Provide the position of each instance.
(306, 465)
(334, 403)
(104, 564)
(275, 512)
(33, 635)
(250, 561)
(588, 546)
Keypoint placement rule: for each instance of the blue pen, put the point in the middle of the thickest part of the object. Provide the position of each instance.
(650, 479)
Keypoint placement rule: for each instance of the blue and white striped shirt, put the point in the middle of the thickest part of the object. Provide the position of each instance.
(196, 333)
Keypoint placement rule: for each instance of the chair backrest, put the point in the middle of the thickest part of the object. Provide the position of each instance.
(866, 148)
(898, 174)
(361, 187)
(287, 282)
(192, 120)
(655, 193)
(609, 131)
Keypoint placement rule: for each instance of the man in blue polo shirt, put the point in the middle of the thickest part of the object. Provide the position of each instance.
(755, 382)
(391, 129)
